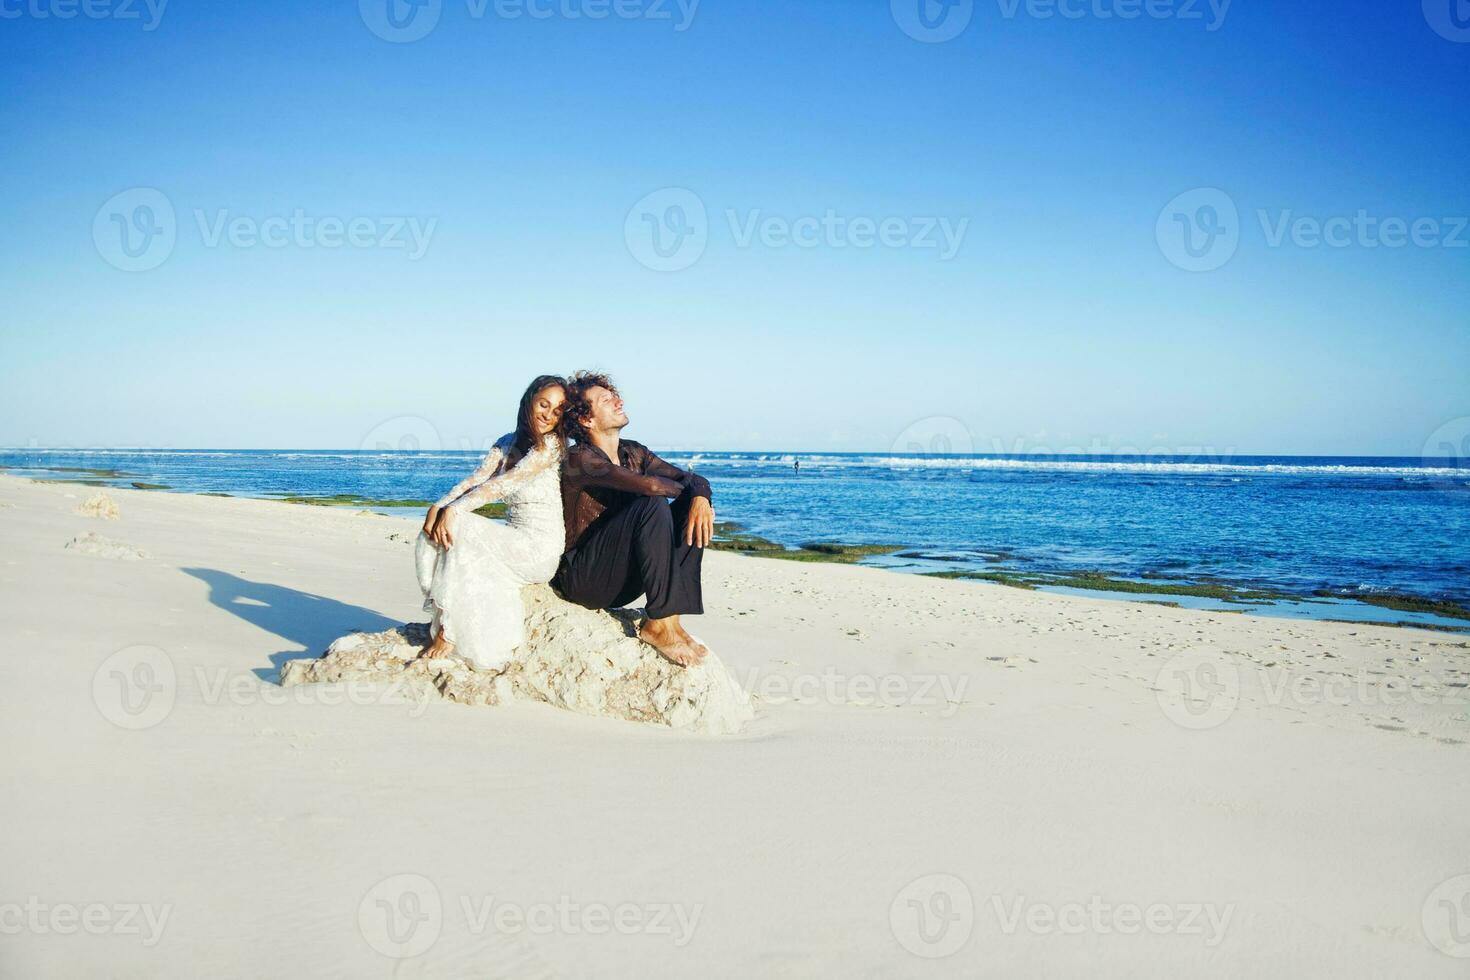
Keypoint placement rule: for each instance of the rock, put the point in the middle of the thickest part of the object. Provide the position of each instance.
(99, 505)
(583, 660)
(93, 543)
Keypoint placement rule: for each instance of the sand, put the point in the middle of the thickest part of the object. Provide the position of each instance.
(942, 779)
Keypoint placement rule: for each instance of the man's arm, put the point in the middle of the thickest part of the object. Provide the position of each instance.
(700, 527)
(589, 467)
(692, 482)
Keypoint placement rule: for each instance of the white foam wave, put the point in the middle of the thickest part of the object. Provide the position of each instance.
(773, 461)
(1083, 466)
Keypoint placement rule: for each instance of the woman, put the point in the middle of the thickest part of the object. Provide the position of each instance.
(472, 569)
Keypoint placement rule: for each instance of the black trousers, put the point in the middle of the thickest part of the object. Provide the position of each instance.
(636, 550)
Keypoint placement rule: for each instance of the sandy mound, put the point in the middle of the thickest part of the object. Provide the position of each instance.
(579, 659)
(99, 505)
(93, 543)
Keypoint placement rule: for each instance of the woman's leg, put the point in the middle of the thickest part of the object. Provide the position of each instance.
(428, 559)
(474, 591)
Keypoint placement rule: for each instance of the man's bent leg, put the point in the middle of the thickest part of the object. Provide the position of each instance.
(595, 574)
(681, 591)
(620, 557)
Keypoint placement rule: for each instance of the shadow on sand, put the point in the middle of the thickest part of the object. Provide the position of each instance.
(308, 621)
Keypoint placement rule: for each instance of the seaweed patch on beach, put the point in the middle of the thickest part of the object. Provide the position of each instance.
(348, 500)
(86, 476)
(1015, 581)
(495, 509)
(1447, 608)
(1102, 582)
(730, 536)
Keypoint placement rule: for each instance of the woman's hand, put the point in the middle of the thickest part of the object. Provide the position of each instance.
(443, 531)
(431, 519)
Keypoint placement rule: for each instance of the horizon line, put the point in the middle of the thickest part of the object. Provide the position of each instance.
(784, 452)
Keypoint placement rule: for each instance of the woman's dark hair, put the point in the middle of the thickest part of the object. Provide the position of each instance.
(575, 416)
(526, 437)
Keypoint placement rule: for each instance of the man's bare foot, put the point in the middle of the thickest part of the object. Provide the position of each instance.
(663, 637)
(685, 635)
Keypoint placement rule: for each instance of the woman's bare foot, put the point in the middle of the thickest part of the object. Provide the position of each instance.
(664, 637)
(439, 648)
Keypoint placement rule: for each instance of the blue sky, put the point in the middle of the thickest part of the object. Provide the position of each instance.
(1059, 315)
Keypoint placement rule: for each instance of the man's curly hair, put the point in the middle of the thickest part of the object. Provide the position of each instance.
(578, 413)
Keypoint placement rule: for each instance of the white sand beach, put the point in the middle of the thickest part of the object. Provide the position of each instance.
(942, 779)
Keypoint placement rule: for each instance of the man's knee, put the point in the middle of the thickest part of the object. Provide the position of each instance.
(652, 512)
(567, 591)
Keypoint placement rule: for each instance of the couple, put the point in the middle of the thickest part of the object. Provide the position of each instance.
(591, 518)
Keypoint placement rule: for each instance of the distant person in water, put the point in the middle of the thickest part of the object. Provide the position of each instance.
(796, 465)
(624, 537)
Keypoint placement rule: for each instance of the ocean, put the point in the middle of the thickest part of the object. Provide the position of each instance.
(1318, 537)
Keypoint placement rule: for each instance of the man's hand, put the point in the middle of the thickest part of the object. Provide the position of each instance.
(443, 531)
(701, 524)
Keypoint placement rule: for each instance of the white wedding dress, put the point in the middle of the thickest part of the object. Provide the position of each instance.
(473, 589)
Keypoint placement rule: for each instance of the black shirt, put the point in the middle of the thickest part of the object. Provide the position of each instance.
(591, 483)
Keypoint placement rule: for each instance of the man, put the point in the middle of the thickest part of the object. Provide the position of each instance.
(624, 538)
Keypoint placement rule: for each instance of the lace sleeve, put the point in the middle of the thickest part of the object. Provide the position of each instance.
(483, 472)
(536, 461)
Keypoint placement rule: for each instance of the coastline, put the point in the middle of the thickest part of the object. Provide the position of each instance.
(1220, 593)
(1028, 746)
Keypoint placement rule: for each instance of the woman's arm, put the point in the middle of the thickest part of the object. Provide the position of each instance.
(497, 487)
(433, 526)
(487, 468)
(494, 488)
